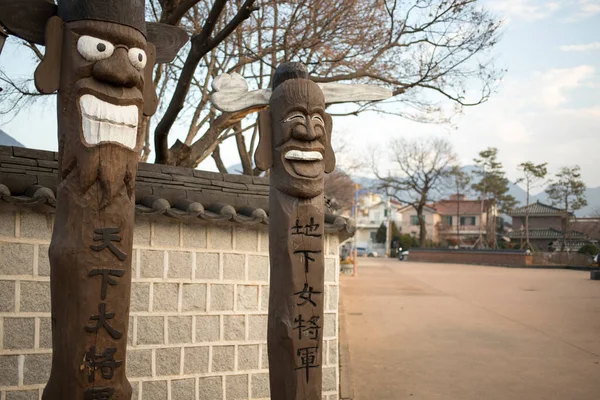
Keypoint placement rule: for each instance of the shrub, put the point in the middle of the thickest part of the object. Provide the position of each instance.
(588, 249)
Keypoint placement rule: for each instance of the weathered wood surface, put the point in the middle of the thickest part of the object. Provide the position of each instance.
(296, 300)
(119, 12)
(90, 252)
(99, 60)
(295, 143)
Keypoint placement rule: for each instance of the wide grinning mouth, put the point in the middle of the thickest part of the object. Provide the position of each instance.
(103, 122)
(300, 155)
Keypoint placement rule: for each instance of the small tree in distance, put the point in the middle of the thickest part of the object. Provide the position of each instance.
(459, 181)
(381, 234)
(533, 177)
(493, 189)
(568, 193)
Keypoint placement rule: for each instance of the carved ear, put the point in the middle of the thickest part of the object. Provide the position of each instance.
(329, 154)
(150, 98)
(3, 37)
(168, 40)
(47, 74)
(27, 18)
(263, 157)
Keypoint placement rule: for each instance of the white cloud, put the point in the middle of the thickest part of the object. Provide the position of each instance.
(585, 9)
(581, 47)
(528, 10)
(553, 85)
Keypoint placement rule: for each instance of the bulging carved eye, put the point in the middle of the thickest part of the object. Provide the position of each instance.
(318, 118)
(94, 49)
(138, 58)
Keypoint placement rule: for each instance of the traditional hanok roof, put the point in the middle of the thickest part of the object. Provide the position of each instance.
(465, 207)
(537, 209)
(28, 178)
(549, 233)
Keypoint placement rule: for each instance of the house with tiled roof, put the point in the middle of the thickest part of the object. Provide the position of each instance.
(546, 227)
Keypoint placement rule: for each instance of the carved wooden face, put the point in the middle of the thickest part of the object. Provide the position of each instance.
(102, 77)
(301, 138)
(104, 89)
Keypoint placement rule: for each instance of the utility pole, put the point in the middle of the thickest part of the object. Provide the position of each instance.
(388, 239)
(354, 240)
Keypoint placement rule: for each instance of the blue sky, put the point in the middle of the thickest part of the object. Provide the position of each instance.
(547, 108)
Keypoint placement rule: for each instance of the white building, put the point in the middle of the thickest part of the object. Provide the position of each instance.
(372, 212)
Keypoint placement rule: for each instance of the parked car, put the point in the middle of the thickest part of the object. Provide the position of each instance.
(597, 259)
(373, 253)
(361, 251)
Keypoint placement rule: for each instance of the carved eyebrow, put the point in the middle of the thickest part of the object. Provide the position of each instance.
(109, 35)
(294, 115)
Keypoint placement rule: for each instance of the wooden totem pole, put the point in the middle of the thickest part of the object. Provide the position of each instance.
(99, 57)
(295, 143)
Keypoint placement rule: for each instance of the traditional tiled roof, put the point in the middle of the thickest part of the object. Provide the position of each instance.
(549, 233)
(28, 178)
(537, 210)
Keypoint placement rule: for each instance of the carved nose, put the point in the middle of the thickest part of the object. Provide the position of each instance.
(306, 132)
(117, 70)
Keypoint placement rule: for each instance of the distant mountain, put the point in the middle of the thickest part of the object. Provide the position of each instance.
(6, 140)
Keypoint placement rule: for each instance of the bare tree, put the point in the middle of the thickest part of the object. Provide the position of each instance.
(339, 189)
(421, 167)
(414, 47)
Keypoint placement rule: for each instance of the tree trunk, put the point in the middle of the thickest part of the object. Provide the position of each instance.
(458, 217)
(527, 243)
(422, 228)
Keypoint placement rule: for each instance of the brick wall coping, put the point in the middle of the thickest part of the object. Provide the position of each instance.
(467, 251)
(28, 179)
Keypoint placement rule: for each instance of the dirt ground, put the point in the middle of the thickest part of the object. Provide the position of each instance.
(443, 331)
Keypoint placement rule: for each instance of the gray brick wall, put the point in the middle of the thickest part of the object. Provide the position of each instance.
(198, 311)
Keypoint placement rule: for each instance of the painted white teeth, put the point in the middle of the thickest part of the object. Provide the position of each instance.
(303, 155)
(105, 122)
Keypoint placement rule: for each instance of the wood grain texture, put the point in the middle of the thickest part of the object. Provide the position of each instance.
(264, 151)
(150, 97)
(27, 19)
(47, 74)
(130, 13)
(3, 37)
(297, 133)
(168, 40)
(91, 248)
(296, 299)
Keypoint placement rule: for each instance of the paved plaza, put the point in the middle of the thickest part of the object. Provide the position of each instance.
(457, 332)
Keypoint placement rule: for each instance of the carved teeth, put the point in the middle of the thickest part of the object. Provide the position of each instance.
(303, 155)
(104, 122)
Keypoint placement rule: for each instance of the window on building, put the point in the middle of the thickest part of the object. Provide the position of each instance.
(376, 215)
(373, 237)
(447, 220)
(469, 221)
(414, 220)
